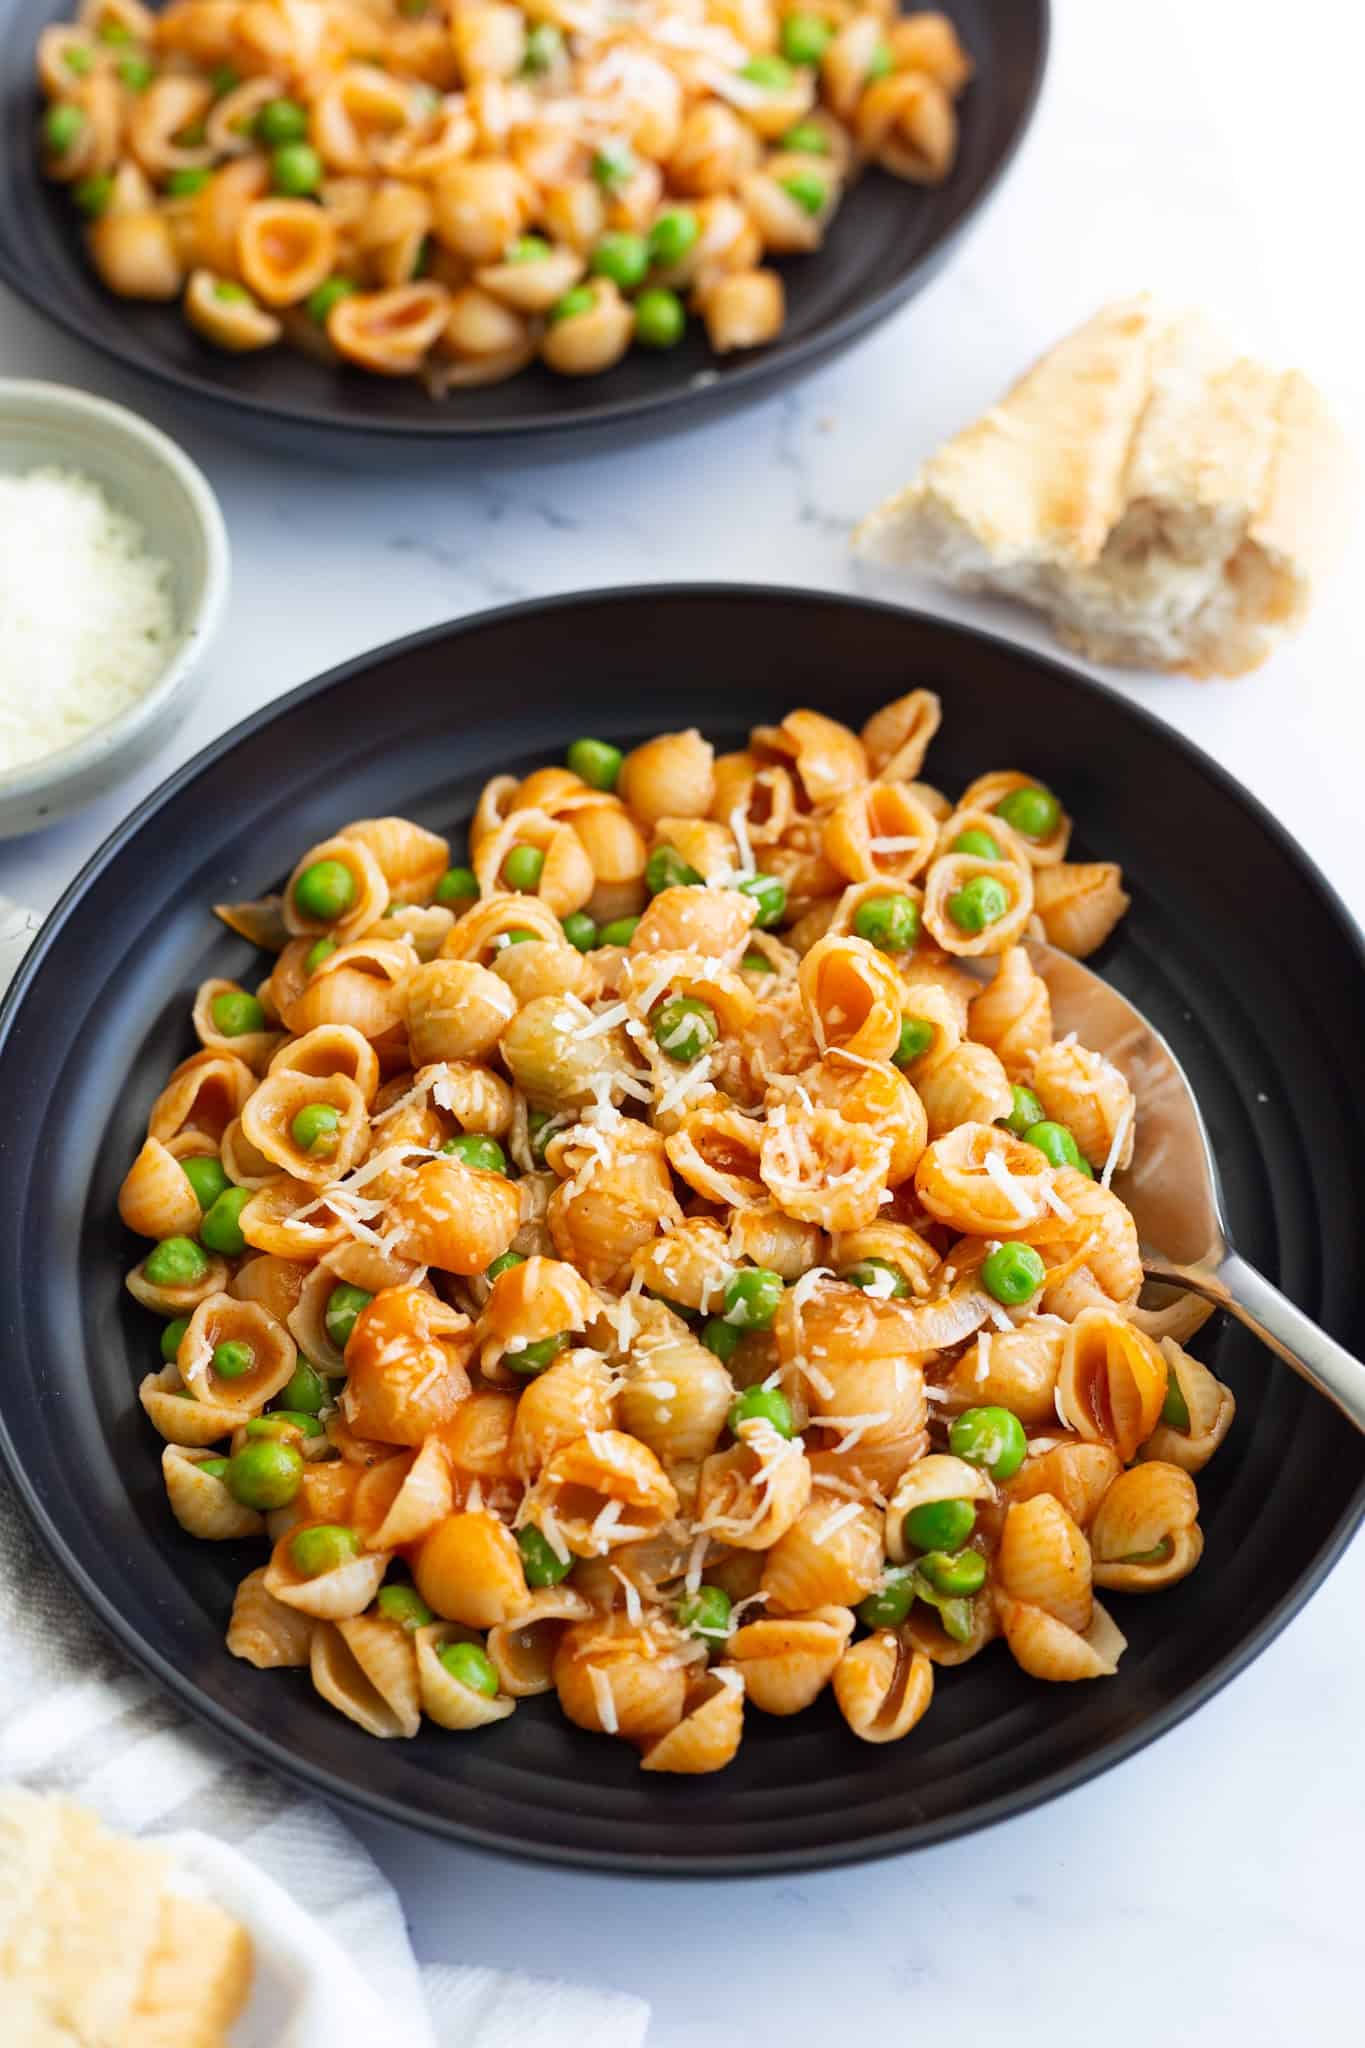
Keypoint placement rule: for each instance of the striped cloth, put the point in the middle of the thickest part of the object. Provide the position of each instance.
(75, 1719)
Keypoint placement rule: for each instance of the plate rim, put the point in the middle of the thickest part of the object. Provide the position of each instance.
(358, 1796)
(797, 357)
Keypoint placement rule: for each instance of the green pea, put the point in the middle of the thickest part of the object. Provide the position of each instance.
(660, 318)
(541, 1564)
(521, 938)
(175, 1262)
(1025, 1110)
(472, 1148)
(325, 891)
(807, 138)
(979, 845)
(595, 762)
(458, 885)
(79, 61)
(1012, 1274)
(230, 292)
(1032, 812)
(666, 869)
(619, 932)
(538, 1131)
(544, 42)
(762, 1404)
(771, 897)
(1056, 1144)
(320, 950)
(706, 1612)
(234, 1013)
(872, 1275)
(329, 293)
(280, 121)
(295, 170)
(722, 1338)
(172, 1337)
(752, 1297)
(92, 195)
(805, 38)
(233, 1360)
(283, 1423)
(773, 73)
(580, 299)
(757, 963)
(888, 1606)
(412, 10)
(316, 1129)
(137, 74)
(471, 1667)
(213, 1468)
(890, 923)
(622, 257)
(959, 1574)
(613, 166)
(810, 191)
(1175, 1409)
(264, 1475)
(221, 1229)
(939, 1525)
(206, 1177)
(114, 32)
(63, 126)
(980, 902)
(344, 1304)
(684, 1028)
(533, 1358)
(580, 931)
(954, 1612)
(404, 1605)
(917, 1035)
(990, 1437)
(323, 1548)
(224, 79)
(673, 235)
(305, 1392)
(880, 64)
(527, 249)
(523, 867)
(1157, 1555)
(504, 1264)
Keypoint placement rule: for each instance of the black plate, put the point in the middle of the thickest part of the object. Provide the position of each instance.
(888, 241)
(1235, 947)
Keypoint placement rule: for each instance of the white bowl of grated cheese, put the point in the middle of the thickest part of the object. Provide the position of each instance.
(113, 578)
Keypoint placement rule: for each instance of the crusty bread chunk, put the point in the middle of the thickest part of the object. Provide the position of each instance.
(95, 1950)
(1167, 503)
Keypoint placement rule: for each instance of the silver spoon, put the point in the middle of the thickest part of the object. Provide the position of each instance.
(1172, 1186)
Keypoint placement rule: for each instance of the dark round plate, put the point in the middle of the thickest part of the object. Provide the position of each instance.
(887, 242)
(1266, 1010)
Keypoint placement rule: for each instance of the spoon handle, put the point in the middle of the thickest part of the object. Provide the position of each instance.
(1249, 1296)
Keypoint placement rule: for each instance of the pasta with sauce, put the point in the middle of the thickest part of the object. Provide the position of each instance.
(453, 189)
(643, 1265)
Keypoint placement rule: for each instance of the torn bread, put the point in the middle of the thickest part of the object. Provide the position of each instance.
(1167, 503)
(96, 1949)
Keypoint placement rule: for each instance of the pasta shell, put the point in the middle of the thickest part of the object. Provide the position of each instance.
(1044, 1561)
(951, 872)
(896, 738)
(830, 1557)
(202, 1505)
(558, 1407)
(1076, 1474)
(676, 1394)
(602, 1490)
(263, 1631)
(1079, 906)
(750, 1495)
(335, 1595)
(1112, 1381)
(367, 1669)
(445, 1699)
(156, 1199)
(882, 1687)
(1013, 1016)
(709, 1733)
(786, 1663)
(935, 1478)
(1087, 1092)
(1046, 1648)
(1017, 1369)
(615, 1677)
(1210, 1406)
(412, 1496)
(204, 1094)
(523, 1651)
(405, 1361)
(1146, 1532)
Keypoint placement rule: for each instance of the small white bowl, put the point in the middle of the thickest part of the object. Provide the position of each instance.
(144, 474)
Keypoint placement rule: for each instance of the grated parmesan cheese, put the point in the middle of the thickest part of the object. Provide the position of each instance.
(603, 1699)
(998, 1171)
(1121, 1130)
(86, 620)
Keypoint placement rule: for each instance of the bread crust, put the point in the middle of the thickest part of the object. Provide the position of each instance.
(1166, 502)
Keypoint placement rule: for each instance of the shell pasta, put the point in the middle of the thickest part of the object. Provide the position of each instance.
(453, 189)
(631, 1257)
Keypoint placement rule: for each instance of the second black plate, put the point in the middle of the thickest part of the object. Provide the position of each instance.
(887, 242)
(1234, 946)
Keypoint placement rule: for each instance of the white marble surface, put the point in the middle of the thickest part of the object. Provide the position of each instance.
(1209, 1887)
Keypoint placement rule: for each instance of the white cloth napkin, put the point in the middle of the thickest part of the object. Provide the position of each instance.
(75, 1719)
